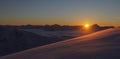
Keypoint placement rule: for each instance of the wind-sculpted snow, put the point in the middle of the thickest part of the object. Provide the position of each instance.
(100, 45)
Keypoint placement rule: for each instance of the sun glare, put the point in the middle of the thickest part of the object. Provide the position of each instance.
(86, 25)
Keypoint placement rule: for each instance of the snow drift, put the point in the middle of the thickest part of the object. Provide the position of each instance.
(100, 45)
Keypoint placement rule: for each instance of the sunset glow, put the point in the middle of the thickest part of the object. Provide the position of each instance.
(86, 25)
(74, 12)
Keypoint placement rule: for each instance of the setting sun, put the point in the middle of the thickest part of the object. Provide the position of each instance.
(86, 25)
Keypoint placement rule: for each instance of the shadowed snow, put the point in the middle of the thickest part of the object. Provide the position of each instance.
(100, 45)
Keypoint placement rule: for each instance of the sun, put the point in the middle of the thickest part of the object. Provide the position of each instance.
(86, 25)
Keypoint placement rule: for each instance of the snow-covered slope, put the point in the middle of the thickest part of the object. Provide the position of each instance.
(100, 45)
(55, 33)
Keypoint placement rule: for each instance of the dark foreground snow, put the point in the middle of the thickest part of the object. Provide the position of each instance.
(100, 45)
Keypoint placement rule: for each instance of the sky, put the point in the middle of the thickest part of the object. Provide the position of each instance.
(63, 12)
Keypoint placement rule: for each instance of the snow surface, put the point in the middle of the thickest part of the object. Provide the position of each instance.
(99, 45)
(54, 33)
